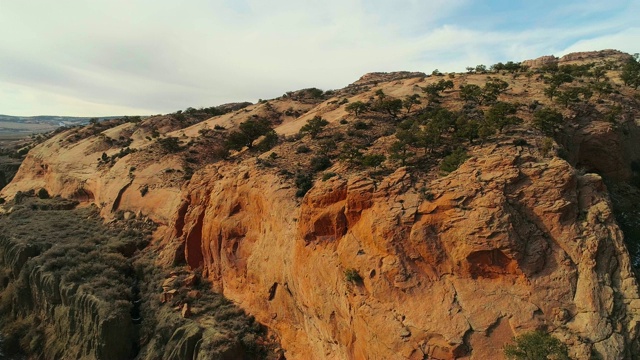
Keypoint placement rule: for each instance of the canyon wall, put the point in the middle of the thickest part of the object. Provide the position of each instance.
(508, 243)
(408, 264)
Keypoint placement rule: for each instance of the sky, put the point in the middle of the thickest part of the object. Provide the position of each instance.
(143, 57)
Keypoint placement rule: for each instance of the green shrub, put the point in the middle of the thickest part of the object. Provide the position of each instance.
(454, 160)
(304, 182)
(43, 193)
(170, 144)
(373, 160)
(520, 142)
(329, 175)
(360, 125)
(314, 126)
(546, 147)
(536, 345)
(268, 142)
(319, 163)
(352, 275)
(249, 131)
(302, 149)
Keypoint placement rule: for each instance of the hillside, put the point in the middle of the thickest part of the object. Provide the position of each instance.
(39, 124)
(405, 216)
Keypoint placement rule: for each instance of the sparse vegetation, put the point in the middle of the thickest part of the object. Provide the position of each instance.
(631, 72)
(314, 126)
(353, 276)
(108, 266)
(452, 161)
(536, 345)
(548, 120)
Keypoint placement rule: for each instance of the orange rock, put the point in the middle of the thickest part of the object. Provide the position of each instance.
(194, 294)
(493, 254)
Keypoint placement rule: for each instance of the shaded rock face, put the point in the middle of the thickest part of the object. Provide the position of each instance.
(602, 147)
(7, 172)
(509, 243)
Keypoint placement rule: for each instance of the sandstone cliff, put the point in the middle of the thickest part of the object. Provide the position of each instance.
(509, 242)
(390, 261)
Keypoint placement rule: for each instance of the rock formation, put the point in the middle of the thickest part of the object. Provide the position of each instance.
(393, 263)
(510, 242)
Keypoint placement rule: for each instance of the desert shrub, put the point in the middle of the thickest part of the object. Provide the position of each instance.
(302, 149)
(520, 142)
(546, 147)
(547, 120)
(170, 144)
(360, 125)
(352, 275)
(19, 197)
(329, 175)
(268, 142)
(373, 160)
(536, 345)
(319, 163)
(304, 182)
(249, 131)
(502, 114)
(452, 161)
(43, 193)
(314, 126)
(426, 194)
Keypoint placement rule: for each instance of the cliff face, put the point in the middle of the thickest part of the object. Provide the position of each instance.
(389, 261)
(74, 171)
(507, 243)
(72, 287)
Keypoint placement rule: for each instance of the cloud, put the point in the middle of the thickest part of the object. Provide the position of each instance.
(626, 40)
(149, 56)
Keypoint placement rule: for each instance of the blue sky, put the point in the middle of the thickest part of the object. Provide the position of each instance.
(106, 57)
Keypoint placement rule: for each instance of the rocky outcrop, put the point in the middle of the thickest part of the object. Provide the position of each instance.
(508, 243)
(541, 61)
(584, 56)
(379, 77)
(595, 55)
(74, 171)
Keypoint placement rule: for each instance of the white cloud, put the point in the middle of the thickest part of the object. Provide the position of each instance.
(160, 56)
(626, 41)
